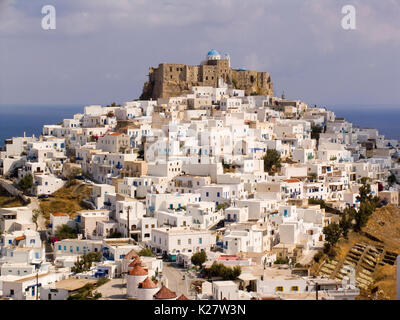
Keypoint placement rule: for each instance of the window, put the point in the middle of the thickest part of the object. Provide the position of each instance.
(279, 289)
(294, 288)
(189, 241)
(179, 242)
(200, 240)
(59, 247)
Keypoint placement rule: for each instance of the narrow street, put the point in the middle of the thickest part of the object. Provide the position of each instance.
(41, 220)
(175, 279)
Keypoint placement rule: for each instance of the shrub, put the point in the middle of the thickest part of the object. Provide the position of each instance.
(26, 182)
(272, 160)
(199, 258)
(219, 270)
(146, 253)
(318, 256)
(65, 232)
(281, 261)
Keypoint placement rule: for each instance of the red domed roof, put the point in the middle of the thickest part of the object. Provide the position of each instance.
(135, 262)
(183, 297)
(165, 293)
(131, 255)
(147, 284)
(138, 271)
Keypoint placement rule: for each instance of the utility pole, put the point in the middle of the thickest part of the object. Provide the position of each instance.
(37, 284)
(316, 290)
(128, 227)
(37, 280)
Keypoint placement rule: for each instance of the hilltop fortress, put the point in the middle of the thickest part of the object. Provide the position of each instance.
(171, 79)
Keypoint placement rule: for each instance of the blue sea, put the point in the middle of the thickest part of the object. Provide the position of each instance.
(17, 119)
(385, 118)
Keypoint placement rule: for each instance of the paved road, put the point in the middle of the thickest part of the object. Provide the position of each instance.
(115, 289)
(174, 275)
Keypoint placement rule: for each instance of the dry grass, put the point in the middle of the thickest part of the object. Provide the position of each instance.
(384, 225)
(7, 201)
(67, 200)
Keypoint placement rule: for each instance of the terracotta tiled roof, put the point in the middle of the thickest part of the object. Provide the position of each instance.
(291, 180)
(20, 238)
(131, 255)
(147, 284)
(183, 297)
(228, 257)
(138, 271)
(115, 134)
(135, 262)
(165, 293)
(59, 214)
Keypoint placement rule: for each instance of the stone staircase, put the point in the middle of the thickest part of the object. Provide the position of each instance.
(365, 259)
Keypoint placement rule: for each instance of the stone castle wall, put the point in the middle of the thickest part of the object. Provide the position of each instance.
(169, 80)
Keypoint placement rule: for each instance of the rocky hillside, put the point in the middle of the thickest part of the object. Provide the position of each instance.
(372, 253)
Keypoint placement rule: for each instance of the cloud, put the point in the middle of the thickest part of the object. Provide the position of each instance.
(102, 49)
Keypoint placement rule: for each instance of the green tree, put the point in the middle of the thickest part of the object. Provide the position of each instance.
(364, 191)
(392, 180)
(146, 253)
(281, 261)
(332, 234)
(317, 257)
(272, 160)
(227, 273)
(65, 232)
(26, 182)
(85, 262)
(312, 176)
(315, 132)
(35, 216)
(115, 234)
(199, 258)
(346, 219)
(222, 206)
(361, 217)
(86, 293)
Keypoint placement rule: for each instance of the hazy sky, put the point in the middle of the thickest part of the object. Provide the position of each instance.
(101, 49)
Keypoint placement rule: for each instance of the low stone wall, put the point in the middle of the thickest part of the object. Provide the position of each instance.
(9, 187)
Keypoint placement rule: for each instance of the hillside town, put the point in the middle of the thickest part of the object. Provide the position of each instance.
(212, 194)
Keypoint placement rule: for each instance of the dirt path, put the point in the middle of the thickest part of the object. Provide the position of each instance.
(41, 221)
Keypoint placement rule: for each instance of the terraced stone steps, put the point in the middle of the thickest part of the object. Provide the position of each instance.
(365, 259)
